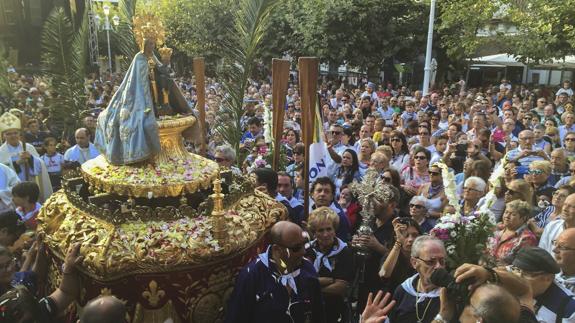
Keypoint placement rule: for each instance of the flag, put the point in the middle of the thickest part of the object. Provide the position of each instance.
(318, 154)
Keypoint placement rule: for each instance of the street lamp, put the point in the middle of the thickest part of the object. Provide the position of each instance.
(427, 69)
(107, 27)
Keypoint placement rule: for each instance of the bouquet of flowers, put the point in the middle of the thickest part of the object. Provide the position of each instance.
(465, 237)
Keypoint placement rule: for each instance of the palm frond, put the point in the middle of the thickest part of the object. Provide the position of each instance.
(240, 55)
(64, 56)
(123, 38)
(6, 90)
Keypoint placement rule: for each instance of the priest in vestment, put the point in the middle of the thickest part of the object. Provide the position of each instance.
(25, 163)
(8, 179)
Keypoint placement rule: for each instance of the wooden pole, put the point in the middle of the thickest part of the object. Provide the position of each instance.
(280, 78)
(199, 72)
(308, 74)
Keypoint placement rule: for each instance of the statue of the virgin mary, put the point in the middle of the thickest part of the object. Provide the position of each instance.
(127, 131)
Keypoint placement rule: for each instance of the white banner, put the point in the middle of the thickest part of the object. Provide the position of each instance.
(318, 161)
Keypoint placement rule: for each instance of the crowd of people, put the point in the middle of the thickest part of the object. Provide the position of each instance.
(312, 271)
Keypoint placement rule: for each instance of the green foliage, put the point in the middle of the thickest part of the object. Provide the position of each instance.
(64, 55)
(358, 32)
(197, 28)
(6, 90)
(241, 53)
(458, 23)
(546, 28)
(123, 37)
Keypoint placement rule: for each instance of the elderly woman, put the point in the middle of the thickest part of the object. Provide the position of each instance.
(333, 261)
(434, 192)
(513, 234)
(538, 177)
(396, 268)
(418, 210)
(473, 190)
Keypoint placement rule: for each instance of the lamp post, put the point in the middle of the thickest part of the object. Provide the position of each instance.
(108, 27)
(427, 69)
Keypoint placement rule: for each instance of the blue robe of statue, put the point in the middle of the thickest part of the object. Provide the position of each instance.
(127, 130)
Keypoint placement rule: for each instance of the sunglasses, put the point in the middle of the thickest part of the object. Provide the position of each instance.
(535, 172)
(420, 157)
(395, 139)
(386, 179)
(417, 206)
(569, 139)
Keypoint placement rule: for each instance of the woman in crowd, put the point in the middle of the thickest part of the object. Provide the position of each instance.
(519, 189)
(418, 210)
(444, 118)
(473, 189)
(291, 138)
(400, 157)
(434, 192)
(367, 148)
(415, 176)
(298, 152)
(349, 203)
(391, 176)
(538, 177)
(513, 233)
(333, 261)
(347, 171)
(397, 268)
(553, 134)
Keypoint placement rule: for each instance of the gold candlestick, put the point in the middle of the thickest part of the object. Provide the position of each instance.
(218, 212)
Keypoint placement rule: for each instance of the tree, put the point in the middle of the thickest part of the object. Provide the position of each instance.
(199, 27)
(361, 33)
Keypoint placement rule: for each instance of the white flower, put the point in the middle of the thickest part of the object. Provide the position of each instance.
(453, 234)
(450, 249)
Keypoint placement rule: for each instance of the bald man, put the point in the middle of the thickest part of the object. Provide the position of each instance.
(491, 303)
(83, 151)
(104, 309)
(564, 252)
(525, 154)
(279, 285)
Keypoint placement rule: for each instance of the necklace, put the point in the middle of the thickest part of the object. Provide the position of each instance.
(420, 285)
(434, 190)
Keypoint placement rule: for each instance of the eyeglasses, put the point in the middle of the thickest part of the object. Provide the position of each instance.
(525, 274)
(417, 206)
(434, 173)
(432, 262)
(561, 248)
(471, 189)
(535, 172)
(418, 157)
(386, 179)
(395, 139)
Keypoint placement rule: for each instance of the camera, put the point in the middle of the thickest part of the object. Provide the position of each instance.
(458, 292)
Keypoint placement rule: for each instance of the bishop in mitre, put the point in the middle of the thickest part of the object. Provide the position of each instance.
(25, 163)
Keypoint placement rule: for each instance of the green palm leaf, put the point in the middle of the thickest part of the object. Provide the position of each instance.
(63, 62)
(240, 57)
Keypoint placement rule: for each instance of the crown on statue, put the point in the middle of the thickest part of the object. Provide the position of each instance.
(165, 52)
(147, 26)
(8, 121)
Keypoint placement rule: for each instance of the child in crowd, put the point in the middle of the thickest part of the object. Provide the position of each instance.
(25, 197)
(53, 161)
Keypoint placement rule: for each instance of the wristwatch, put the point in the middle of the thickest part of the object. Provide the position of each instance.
(438, 319)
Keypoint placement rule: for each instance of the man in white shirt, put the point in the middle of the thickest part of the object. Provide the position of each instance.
(8, 179)
(554, 228)
(84, 150)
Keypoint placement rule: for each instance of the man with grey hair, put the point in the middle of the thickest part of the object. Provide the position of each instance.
(524, 154)
(225, 156)
(418, 210)
(417, 298)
